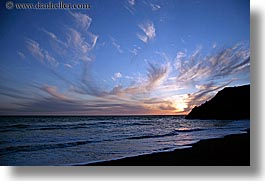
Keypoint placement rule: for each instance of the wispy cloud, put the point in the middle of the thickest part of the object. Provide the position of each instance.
(59, 46)
(205, 92)
(68, 65)
(116, 45)
(78, 47)
(131, 2)
(157, 74)
(80, 44)
(92, 39)
(160, 105)
(73, 46)
(75, 38)
(135, 50)
(21, 55)
(40, 54)
(80, 108)
(56, 106)
(87, 85)
(142, 37)
(214, 45)
(117, 76)
(149, 31)
(15, 93)
(225, 62)
(82, 20)
(50, 34)
(130, 6)
(35, 49)
(156, 91)
(51, 60)
(167, 107)
(155, 7)
(78, 40)
(183, 41)
(52, 90)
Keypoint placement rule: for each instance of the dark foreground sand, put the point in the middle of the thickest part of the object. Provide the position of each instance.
(232, 150)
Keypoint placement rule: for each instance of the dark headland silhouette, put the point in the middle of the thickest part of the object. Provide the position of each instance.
(229, 103)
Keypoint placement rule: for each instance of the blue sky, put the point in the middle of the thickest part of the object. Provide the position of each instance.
(122, 56)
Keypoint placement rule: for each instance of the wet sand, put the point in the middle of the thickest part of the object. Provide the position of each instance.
(232, 150)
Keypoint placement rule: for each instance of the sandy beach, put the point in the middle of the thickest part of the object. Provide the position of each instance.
(232, 150)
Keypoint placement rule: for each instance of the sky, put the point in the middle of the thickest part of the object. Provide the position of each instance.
(122, 57)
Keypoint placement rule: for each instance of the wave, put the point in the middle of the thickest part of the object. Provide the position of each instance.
(67, 125)
(104, 122)
(189, 130)
(17, 126)
(7, 130)
(56, 128)
(72, 126)
(29, 148)
(137, 124)
(173, 133)
(23, 127)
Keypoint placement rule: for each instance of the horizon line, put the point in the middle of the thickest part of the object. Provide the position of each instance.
(60, 115)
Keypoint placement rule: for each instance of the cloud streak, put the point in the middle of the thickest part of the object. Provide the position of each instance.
(116, 45)
(35, 49)
(130, 6)
(52, 91)
(131, 2)
(157, 74)
(149, 31)
(40, 54)
(21, 55)
(81, 44)
(82, 20)
(205, 93)
(116, 76)
(96, 107)
(223, 63)
(155, 7)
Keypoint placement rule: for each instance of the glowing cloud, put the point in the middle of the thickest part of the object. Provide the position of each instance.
(51, 90)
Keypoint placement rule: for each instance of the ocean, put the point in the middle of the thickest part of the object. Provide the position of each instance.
(78, 140)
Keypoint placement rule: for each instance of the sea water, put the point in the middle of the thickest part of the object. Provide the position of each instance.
(66, 140)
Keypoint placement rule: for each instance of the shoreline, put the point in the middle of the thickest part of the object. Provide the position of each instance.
(231, 150)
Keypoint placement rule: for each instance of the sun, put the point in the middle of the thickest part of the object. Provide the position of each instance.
(180, 106)
(179, 102)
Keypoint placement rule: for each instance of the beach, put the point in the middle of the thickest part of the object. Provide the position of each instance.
(232, 150)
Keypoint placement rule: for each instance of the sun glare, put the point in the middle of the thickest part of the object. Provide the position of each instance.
(180, 106)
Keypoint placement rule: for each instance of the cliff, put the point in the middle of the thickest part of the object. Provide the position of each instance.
(229, 103)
